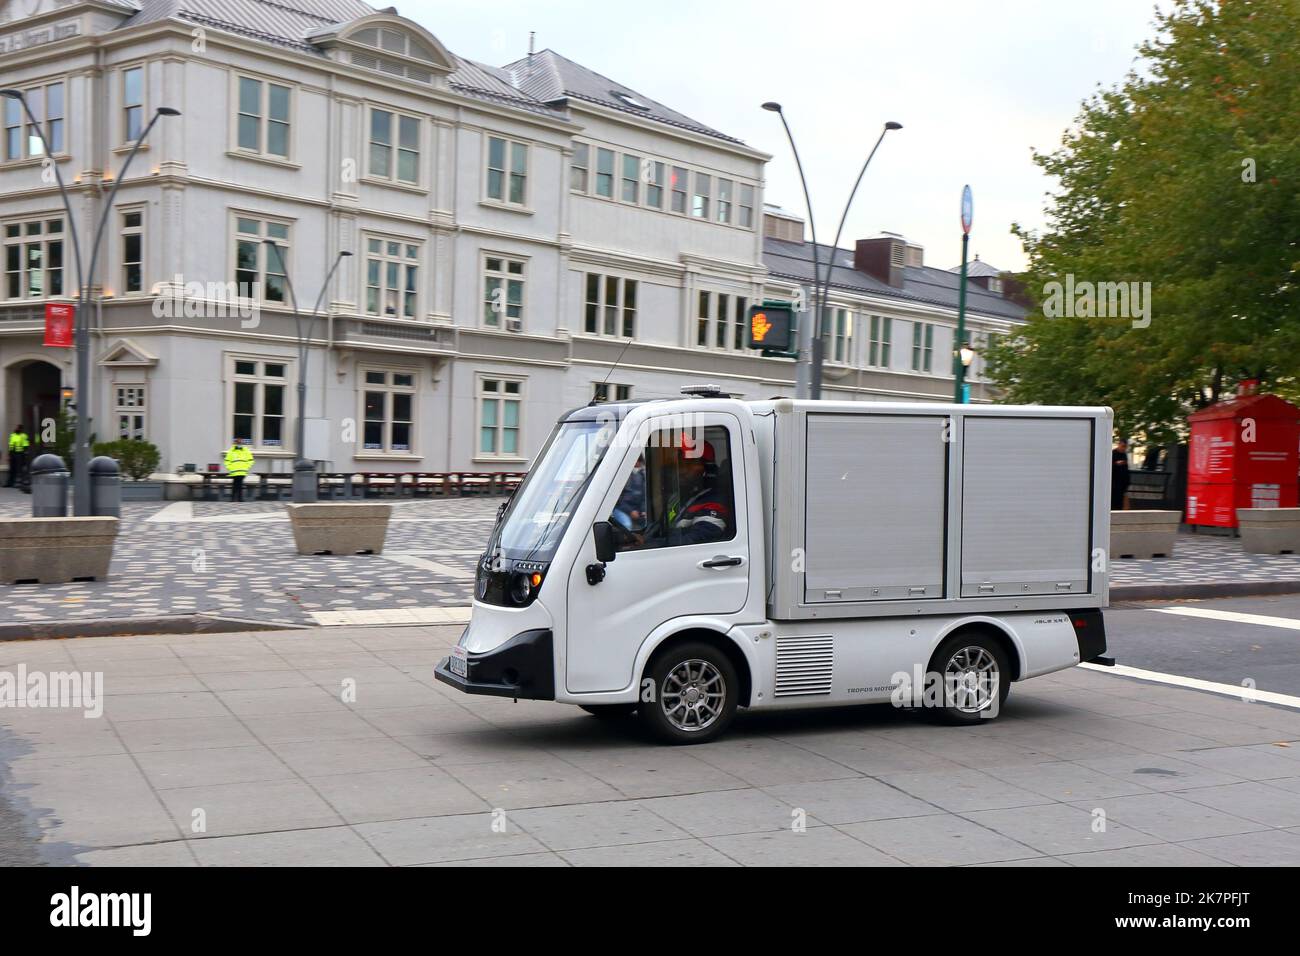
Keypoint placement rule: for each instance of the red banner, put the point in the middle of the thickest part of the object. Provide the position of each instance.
(58, 325)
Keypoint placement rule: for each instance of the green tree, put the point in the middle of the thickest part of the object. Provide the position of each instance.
(1186, 176)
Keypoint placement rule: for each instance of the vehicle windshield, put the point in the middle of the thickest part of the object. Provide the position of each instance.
(535, 521)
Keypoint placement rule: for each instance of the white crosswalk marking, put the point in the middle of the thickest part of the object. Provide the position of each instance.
(1236, 617)
(1228, 690)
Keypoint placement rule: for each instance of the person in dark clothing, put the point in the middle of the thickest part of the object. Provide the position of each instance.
(704, 515)
(1118, 475)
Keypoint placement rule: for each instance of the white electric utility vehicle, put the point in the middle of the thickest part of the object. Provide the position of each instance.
(679, 559)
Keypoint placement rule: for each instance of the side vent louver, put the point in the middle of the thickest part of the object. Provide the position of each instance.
(804, 665)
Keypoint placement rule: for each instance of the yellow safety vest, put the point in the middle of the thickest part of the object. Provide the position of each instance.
(18, 441)
(239, 461)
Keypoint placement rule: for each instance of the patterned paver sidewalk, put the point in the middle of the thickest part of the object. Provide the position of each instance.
(1206, 559)
(237, 561)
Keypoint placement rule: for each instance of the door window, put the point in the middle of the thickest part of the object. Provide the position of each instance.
(680, 492)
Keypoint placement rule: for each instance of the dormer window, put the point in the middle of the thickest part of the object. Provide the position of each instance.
(399, 44)
(628, 100)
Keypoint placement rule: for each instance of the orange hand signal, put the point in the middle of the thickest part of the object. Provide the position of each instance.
(759, 326)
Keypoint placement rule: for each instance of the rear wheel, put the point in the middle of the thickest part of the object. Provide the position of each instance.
(976, 677)
(609, 711)
(695, 694)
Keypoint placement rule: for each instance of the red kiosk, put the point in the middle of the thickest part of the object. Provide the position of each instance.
(1245, 453)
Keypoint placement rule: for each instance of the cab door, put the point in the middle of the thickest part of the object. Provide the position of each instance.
(679, 507)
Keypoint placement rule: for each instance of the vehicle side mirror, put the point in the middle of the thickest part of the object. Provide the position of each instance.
(602, 532)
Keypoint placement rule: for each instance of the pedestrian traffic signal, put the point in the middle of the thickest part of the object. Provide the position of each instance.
(771, 329)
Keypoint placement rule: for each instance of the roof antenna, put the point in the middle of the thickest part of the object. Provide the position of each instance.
(614, 366)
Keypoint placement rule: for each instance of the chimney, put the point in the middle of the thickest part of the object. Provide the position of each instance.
(883, 258)
(1247, 386)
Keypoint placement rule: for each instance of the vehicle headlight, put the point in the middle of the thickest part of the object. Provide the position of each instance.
(521, 589)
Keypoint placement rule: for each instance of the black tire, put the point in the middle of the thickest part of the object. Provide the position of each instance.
(609, 711)
(962, 652)
(709, 701)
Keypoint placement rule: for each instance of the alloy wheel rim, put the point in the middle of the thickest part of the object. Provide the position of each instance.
(971, 679)
(693, 695)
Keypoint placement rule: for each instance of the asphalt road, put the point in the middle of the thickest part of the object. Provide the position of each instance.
(1225, 651)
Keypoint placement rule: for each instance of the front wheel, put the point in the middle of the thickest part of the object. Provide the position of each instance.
(975, 678)
(695, 694)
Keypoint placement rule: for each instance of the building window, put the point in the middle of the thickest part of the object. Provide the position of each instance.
(394, 147)
(257, 410)
(841, 336)
(609, 392)
(259, 271)
(263, 120)
(700, 199)
(388, 411)
(133, 251)
(129, 411)
(680, 186)
(579, 167)
(47, 106)
(720, 320)
(500, 407)
(631, 178)
(881, 340)
(507, 171)
(610, 305)
(132, 103)
(503, 293)
(724, 201)
(922, 346)
(654, 184)
(33, 257)
(392, 277)
(745, 219)
(605, 173)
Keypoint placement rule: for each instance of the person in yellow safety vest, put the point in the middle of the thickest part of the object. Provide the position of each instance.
(239, 462)
(18, 445)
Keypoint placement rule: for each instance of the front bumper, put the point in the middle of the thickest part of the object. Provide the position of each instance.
(523, 668)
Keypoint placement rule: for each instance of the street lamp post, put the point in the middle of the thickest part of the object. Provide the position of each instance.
(85, 282)
(304, 471)
(803, 384)
(812, 358)
(962, 354)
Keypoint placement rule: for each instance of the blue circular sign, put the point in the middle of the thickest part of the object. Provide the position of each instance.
(967, 209)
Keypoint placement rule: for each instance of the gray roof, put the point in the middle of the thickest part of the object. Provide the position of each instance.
(552, 78)
(978, 267)
(290, 23)
(923, 284)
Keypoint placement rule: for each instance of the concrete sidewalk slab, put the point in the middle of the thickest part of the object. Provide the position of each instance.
(241, 749)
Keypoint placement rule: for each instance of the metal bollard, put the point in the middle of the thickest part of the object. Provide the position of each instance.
(49, 477)
(304, 481)
(105, 487)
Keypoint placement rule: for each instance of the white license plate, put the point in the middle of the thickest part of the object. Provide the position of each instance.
(458, 663)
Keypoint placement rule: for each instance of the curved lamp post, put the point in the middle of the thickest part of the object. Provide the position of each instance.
(85, 282)
(304, 471)
(821, 285)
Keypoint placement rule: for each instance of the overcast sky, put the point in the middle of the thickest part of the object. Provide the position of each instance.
(976, 85)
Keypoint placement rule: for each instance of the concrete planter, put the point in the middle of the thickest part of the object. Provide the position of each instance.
(341, 528)
(141, 490)
(56, 550)
(1269, 530)
(1143, 534)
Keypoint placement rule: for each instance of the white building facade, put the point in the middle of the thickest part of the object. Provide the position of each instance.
(518, 240)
